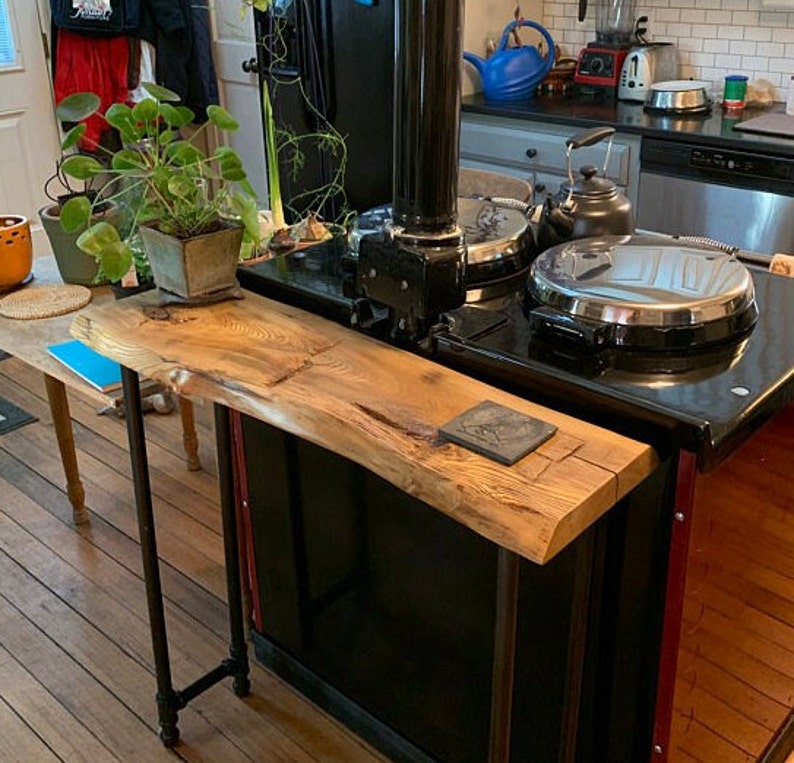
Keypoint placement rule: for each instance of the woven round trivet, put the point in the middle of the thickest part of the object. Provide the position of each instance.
(44, 301)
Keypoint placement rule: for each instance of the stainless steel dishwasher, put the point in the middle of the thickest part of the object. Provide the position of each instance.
(741, 198)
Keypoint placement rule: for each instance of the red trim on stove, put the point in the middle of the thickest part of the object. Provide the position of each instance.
(244, 528)
(674, 602)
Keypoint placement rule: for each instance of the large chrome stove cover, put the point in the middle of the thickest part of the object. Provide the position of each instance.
(640, 292)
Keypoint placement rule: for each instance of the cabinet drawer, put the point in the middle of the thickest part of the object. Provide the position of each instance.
(529, 147)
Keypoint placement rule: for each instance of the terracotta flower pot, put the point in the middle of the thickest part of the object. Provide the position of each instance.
(16, 251)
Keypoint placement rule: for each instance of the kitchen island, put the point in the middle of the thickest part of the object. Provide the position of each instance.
(464, 536)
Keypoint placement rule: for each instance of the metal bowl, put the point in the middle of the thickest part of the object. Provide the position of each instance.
(681, 96)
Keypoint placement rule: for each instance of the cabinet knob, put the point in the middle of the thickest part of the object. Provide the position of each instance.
(540, 188)
(531, 153)
(250, 66)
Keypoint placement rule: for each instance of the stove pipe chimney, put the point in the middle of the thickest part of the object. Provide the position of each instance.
(427, 82)
(417, 267)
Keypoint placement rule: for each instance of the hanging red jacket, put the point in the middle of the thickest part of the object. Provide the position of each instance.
(95, 64)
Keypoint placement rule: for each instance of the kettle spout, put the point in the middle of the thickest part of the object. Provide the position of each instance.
(475, 61)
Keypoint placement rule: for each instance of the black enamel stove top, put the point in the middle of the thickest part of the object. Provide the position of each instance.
(706, 401)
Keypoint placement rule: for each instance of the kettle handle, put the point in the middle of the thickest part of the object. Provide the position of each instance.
(590, 137)
(549, 62)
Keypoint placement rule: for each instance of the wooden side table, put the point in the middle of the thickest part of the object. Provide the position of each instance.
(28, 341)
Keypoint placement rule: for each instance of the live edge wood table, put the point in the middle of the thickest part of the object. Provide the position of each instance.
(377, 405)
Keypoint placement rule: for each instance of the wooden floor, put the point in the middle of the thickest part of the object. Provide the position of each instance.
(76, 676)
(735, 677)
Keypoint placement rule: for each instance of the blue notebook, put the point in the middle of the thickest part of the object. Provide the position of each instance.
(99, 371)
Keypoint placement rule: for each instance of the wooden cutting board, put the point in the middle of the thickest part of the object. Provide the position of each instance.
(769, 124)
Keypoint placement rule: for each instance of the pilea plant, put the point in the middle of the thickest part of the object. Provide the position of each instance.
(163, 179)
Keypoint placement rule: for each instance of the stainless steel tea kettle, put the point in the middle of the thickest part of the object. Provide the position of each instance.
(587, 206)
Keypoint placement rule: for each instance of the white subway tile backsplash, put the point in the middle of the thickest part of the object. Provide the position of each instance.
(701, 60)
(692, 45)
(759, 34)
(692, 16)
(781, 65)
(742, 48)
(754, 63)
(782, 34)
(715, 37)
(745, 18)
(700, 32)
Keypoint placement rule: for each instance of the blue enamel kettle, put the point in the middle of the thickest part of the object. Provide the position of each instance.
(512, 74)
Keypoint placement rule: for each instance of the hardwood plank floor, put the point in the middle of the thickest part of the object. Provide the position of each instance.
(735, 676)
(76, 673)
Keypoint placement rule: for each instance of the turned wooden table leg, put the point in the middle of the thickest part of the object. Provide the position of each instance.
(62, 421)
(189, 436)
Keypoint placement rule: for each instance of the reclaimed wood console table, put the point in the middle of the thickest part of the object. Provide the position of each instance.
(377, 405)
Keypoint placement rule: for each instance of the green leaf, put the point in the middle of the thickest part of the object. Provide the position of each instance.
(222, 118)
(119, 115)
(72, 138)
(145, 110)
(127, 159)
(77, 107)
(233, 174)
(75, 214)
(81, 167)
(116, 260)
(187, 115)
(182, 187)
(167, 136)
(159, 92)
(183, 152)
(175, 116)
(97, 238)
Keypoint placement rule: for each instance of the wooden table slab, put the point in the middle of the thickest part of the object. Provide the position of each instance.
(377, 405)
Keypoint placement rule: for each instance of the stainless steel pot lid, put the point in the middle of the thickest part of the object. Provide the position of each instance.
(641, 281)
(499, 239)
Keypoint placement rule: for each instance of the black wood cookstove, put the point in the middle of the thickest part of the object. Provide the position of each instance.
(382, 610)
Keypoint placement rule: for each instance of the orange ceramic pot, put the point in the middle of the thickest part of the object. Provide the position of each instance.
(16, 251)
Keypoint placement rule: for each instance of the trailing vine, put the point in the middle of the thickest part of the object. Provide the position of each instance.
(288, 148)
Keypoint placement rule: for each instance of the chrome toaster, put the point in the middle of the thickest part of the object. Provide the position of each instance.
(644, 65)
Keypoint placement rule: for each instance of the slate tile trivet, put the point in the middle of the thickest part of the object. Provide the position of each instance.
(497, 432)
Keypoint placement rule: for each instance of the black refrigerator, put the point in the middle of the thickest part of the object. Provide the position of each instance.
(331, 61)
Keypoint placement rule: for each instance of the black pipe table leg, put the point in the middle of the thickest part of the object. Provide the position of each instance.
(238, 650)
(168, 702)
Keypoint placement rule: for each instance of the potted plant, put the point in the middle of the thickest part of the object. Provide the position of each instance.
(72, 263)
(188, 208)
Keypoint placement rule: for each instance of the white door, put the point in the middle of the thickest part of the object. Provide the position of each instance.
(239, 89)
(29, 140)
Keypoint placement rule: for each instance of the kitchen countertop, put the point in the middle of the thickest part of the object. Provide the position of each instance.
(627, 117)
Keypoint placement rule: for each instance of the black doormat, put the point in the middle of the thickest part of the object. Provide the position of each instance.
(12, 417)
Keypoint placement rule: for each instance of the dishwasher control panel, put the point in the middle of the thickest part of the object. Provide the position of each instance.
(747, 169)
(741, 163)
